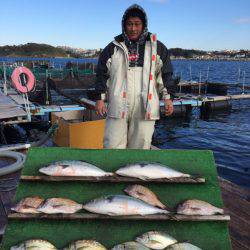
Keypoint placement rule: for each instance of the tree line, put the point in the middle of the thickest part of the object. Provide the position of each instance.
(45, 50)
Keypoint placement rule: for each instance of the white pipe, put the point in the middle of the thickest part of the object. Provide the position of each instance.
(243, 83)
(5, 80)
(15, 147)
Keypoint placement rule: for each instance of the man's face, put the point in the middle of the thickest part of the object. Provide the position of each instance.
(133, 28)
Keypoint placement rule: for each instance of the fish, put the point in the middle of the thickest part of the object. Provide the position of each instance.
(118, 205)
(183, 246)
(34, 244)
(198, 207)
(85, 245)
(28, 205)
(149, 171)
(59, 205)
(144, 194)
(156, 240)
(73, 168)
(130, 245)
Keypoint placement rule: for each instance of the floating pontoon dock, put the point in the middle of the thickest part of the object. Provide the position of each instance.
(15, 109)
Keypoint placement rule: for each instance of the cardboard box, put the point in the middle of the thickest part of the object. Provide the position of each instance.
(78, 129)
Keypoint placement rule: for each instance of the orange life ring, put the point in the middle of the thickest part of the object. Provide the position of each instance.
(15, 77)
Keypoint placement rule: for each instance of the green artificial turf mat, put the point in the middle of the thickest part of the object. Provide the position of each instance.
(206, 235)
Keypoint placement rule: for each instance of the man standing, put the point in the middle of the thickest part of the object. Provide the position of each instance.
(133, 70)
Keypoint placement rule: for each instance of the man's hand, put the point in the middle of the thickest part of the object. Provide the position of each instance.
(100, 107)
(169, 108)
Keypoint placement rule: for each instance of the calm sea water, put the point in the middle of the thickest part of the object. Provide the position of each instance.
(226, 133)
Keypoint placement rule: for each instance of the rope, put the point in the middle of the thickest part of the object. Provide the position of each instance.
(26, 105)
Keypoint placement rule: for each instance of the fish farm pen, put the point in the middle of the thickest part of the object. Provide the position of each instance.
(62, 98)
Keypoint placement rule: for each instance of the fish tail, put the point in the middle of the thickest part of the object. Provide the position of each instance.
(13, 208)
(164, 211)
(220, 211)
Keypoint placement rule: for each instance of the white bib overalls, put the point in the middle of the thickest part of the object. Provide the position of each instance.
(132, 131)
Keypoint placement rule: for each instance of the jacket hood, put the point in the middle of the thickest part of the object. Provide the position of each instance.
(135, 8)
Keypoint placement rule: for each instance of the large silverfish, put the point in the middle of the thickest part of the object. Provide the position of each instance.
(73, 168)
(117, 205)
(149, 171)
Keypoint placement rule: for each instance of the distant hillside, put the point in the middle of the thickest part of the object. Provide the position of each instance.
(32, 50)
(187, 53)
(45, 50)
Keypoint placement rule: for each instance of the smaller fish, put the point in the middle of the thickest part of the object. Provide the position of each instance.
(28, 205)
(131, 245)
(183, 246)
(149, 171)
(156, 240)
(85, 245)
(59, 205)
(73, 168)
(198, 207)
(144, 194)
(35, 244)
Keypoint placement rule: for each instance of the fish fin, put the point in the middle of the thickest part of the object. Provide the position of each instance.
(155, 242)
(43, 172)
(109, 174)
(64, 165)
(140, 193)
(27, 206)
(111, 214)
(56, 206)
(195, 208)
(162, 206)
(165, 211)
(127, 189)
(142, 178)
